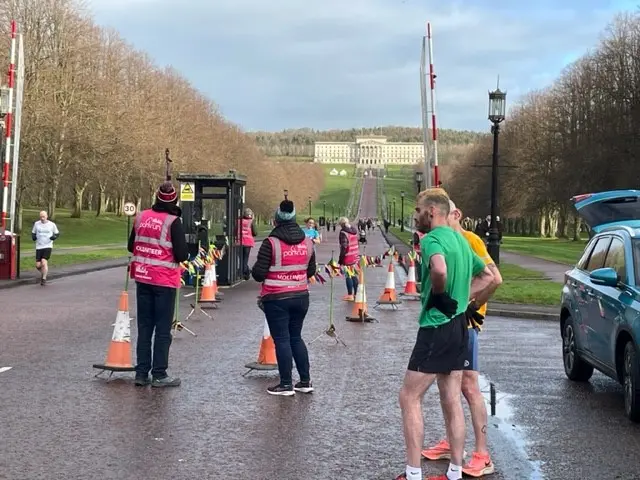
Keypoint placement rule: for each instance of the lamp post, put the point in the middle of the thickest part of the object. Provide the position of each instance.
(309, 205)
(497, 113)
(419, 180)
(389, 212)
(286, 194)
(402, 211)
(324, 212)
(333, 211)
(394, 212)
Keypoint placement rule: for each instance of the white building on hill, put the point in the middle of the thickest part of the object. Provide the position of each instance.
(372, 151)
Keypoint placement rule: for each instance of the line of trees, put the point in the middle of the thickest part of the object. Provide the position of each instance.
(300, 142)
(98, 115)
(579, 135)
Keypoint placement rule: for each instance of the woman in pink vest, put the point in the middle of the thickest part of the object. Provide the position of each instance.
(158, 245)
(248, 240)
(285, 262)
(349, 255)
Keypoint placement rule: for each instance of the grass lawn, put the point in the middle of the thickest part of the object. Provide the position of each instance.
(398, 179)
(553, 249)
(66, 259)
(336, 193)
(524, 286)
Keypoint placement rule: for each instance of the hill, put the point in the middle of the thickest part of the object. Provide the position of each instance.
(299, 142)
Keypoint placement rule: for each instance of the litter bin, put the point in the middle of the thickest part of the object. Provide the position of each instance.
(8, 257)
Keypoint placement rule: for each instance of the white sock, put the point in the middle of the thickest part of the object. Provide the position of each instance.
(413, 473)
(454, 472)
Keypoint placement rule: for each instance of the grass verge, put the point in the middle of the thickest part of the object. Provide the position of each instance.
(67, 259)
(553, 249)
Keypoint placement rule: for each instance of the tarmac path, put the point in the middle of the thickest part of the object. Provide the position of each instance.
(58, 422)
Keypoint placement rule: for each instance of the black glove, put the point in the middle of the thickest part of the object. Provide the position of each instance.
(474, 318)
(34, 237)
(442, 302)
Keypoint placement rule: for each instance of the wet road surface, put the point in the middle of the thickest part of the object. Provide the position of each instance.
(58, 422)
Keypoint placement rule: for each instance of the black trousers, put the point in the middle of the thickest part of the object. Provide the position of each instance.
(155, 307)
(246, 251)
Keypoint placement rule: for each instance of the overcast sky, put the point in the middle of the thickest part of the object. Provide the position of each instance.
(276, 64)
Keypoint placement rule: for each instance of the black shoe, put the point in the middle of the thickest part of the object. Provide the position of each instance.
(303, 387)
(43, 282)
(166, 382)
(282, 390)
(142, 381)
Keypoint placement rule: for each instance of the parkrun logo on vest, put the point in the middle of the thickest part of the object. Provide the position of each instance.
(149, 250)
(295, 250)
(152, 224)
(141, 269)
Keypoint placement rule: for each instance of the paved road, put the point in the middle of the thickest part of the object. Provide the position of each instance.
(554, 271)
(59, 422)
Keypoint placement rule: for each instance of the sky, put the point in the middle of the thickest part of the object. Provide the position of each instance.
(340, 64)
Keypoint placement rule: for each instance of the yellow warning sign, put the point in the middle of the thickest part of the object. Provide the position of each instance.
(188, 192)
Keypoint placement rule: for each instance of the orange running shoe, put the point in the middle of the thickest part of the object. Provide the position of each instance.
(440, 451)
(479, 465)
(348, 298)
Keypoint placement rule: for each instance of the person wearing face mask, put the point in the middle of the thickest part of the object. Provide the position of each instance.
(451, 275)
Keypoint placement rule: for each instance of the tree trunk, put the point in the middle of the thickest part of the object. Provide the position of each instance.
(121, 202)
(102, 201)
(78, 191)
(53, 197)
(577, 222)
(138, 204)
(543, 224)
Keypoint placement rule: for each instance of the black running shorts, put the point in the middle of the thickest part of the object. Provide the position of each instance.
(441, 349)
(43, 253)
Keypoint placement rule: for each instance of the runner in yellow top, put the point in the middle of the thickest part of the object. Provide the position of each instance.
(480, 463)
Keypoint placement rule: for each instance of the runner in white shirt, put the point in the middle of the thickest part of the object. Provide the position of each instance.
(44, 232)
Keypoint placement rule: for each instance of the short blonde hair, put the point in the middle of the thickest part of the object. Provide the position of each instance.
(437, 197)
(343, 221)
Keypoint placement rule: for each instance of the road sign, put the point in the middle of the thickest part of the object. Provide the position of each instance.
(129, 209)
(188, 192)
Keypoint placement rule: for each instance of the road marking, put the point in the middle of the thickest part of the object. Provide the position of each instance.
(4, 369)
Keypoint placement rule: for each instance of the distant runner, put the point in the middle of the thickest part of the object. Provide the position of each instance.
(44, 233)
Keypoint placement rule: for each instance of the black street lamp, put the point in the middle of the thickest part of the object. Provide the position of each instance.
(419, 180)
(402, 211)
(389, 213)
(497, 113)
(333, 211)
(394, 212)
(286, 194)
(309, 205)
(324, 212)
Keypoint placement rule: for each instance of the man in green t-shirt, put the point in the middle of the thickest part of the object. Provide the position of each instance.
(451, 275)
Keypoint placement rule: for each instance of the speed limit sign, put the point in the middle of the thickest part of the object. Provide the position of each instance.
(129, 209)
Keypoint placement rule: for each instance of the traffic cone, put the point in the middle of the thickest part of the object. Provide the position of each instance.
(410, 290)
(119, 351)
(359, 311)
(388, 296)
(267, 353)
(218, 295)
(208, 294)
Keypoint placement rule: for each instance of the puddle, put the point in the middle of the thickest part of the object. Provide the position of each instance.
(513, 435)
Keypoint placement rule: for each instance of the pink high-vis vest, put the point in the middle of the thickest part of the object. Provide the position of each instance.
(247, 238)
(153, 261)
(420, 236)
(353, 252)
(288, 270)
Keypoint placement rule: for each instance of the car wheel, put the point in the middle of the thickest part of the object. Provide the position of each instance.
(631, 383)
(575, 368)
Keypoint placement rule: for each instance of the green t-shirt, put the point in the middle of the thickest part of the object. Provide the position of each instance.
(462, 265)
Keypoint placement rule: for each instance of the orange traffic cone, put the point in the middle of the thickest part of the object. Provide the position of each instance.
(388, 296)
(119, 351)
(219, 296)
(359, 311)
(410, 290)
(208, 294)
(267, 354)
